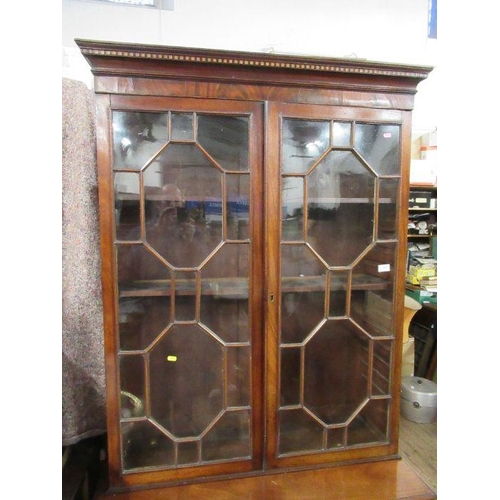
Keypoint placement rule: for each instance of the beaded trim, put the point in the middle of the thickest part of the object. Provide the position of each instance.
(248, 62)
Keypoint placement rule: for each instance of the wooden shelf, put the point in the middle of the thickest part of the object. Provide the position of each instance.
(423, 186)
(237, 288)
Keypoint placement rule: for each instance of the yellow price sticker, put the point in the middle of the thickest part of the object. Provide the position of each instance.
(172, 358)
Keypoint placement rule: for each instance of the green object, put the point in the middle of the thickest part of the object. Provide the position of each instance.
(434, 247)
(423, 296)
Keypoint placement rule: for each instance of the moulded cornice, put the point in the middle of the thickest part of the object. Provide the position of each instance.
(90, 48)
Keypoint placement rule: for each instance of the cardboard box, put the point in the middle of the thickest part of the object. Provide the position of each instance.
(423, 172)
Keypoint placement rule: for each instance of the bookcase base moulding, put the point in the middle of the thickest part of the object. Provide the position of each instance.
(253, 212)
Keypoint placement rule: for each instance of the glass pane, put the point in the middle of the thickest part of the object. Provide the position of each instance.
(141, 320)
(185, 296)
(132, 386)
(137, 137)
(388, 209)
(340, 208)
(378, 144)
(187, 452)
(303, 289)
(299, 432)
(373, 308)
(336, 371)
(370, 425)
(338, 294)
(341, 134)
(229, 438)
(303, 143)
(290, 376)
(182, 127)
(336, 438)
(181, 189)
(292, 209)
(139, 269)
(224, 299)
(175, 239)
(226, 139)
(238, 376)
(187, 371)
(145, 446)
(382, 350)
(127, 206)
(238, 206)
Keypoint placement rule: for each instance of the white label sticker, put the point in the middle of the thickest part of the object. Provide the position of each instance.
(384, 268)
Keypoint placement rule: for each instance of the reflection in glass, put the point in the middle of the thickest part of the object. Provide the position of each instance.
(226, 139)
(238, 206)
(341, 134)
(132, 386)
(182, 127)
(187, 386)
(303, 143)
(127, 206)
(184, 191)
(183, 264)
(137, 137)
(379, 145)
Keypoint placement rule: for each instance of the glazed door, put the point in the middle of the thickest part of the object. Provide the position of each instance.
(184, 350)
(333, 253)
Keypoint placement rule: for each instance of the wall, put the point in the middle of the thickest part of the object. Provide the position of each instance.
(381, 30)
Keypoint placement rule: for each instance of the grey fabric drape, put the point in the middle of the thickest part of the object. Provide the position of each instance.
(83, 386)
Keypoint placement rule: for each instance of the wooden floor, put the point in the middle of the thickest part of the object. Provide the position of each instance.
(418, 448)
(414, 477)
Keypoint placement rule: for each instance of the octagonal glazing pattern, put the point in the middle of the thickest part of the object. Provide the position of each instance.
(182, 183)
(338, 246)
(302, 289)
(340, 207)
(187, 364)
(336, 371)
(184, 192)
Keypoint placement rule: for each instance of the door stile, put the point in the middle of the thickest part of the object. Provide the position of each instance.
(273, 285)
(108, 278)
